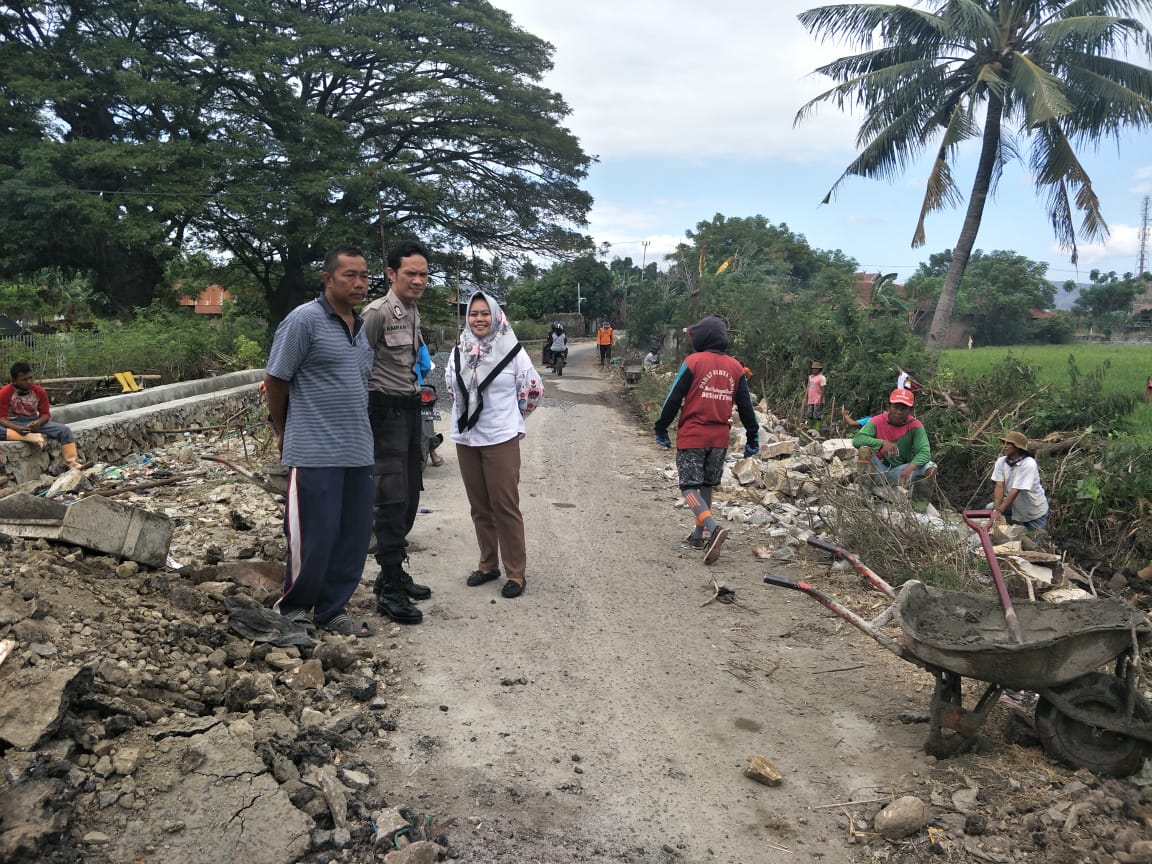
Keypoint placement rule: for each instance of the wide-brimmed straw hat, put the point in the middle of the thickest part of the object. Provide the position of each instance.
(1018, 440)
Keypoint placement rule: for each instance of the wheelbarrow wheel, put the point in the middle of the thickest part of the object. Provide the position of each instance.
(1082, 745)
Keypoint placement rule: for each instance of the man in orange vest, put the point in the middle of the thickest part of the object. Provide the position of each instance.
(605, 337)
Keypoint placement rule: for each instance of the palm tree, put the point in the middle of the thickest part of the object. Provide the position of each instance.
(1057, 73)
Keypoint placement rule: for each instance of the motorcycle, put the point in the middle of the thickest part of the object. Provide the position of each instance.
(559, 358)
(429, 438)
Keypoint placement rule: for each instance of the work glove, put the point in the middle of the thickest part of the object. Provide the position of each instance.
(751, 443)
(663, 440)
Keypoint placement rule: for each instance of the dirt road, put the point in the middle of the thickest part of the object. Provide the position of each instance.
(607, 713)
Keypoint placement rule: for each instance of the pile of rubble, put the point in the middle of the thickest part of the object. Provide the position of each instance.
(783, 493)
(137, 714)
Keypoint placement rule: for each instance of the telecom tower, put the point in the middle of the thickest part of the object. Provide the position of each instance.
(1142, 266)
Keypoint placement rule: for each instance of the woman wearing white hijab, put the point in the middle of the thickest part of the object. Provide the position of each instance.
(493, 386)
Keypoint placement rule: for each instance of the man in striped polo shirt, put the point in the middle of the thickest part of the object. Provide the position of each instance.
(317, 390)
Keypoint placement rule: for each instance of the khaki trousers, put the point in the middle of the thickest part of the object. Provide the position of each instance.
(491, 478)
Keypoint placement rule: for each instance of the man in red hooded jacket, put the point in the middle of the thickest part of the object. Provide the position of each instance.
(708, 383)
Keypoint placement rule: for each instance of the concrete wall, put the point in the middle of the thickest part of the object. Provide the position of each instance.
(114, 428)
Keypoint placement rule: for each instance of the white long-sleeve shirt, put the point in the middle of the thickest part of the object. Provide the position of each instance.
(512, 396)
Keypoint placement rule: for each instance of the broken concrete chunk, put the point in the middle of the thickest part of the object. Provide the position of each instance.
(746, 472)
(310, 676)
(763, 771)
(778, 449)
(34, 700)
(421, 852)
(966, 800)
(335, 794)
(126, 760)
(387, 823)
(26, 506)
(94, 523)
(30, 819)
(118, 529)
(66, 483)
(228, 803)
(902, 817)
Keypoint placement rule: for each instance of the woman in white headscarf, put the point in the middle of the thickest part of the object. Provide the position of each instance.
(493, 386)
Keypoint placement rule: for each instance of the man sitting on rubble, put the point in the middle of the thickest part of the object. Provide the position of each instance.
(894, 444)
(1018, 493)
(26, 416)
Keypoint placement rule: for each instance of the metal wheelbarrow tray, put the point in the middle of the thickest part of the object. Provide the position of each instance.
(965, 634)
(1084, 718)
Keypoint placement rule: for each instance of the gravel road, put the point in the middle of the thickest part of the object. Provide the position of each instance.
(607, 714)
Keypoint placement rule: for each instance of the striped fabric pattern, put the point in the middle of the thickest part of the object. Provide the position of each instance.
(327, 371)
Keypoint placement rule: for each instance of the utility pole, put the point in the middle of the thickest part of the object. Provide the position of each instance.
(1142, 265)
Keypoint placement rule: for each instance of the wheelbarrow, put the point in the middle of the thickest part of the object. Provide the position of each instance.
(1084, 717)
(633, 372)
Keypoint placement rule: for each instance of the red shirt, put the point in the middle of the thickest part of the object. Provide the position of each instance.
(706, 416)
(23, 407)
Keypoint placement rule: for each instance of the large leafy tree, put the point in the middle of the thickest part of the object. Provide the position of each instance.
(997, 294)
(1057, 73)
(1000, 291)
(1107, 303)
(99, 168)
(272, 129)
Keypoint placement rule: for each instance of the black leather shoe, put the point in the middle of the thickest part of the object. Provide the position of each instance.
(398, 609)
(478, 577)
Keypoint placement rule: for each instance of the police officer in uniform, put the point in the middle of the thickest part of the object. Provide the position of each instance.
(392, 325)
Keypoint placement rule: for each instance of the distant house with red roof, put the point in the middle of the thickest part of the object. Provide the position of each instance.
(210, 302)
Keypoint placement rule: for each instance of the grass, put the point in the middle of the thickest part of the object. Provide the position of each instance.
(1128, 365)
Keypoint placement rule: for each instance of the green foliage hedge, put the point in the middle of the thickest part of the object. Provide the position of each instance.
(171, 343)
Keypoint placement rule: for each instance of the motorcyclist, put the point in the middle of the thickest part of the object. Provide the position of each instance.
(559, 342)
(548, 343)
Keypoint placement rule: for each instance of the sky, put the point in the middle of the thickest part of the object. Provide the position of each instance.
(689, 109)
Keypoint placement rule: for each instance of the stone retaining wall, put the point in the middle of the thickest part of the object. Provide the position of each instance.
(115, 436)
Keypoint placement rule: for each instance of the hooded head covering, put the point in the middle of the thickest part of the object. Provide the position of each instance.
(478, 357)
(709, 334)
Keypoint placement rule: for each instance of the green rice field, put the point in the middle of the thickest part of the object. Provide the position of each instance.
(1129, 365)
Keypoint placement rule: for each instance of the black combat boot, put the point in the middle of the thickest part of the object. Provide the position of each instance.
(414, 590)
(392, 598)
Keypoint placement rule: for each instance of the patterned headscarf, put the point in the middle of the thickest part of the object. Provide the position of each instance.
(478, 357)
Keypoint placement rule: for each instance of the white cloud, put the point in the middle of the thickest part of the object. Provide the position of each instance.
(1123, 243)
(678, 78)
(1143, 178)
(690, 107)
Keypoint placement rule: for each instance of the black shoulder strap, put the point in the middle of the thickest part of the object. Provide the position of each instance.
(499, 367)
(465, 422)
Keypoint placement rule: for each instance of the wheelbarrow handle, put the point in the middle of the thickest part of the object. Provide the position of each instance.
(971, 515)
(781, 582)
(820, 543)
(844, 612)
(1010, 616)
(857, 565)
